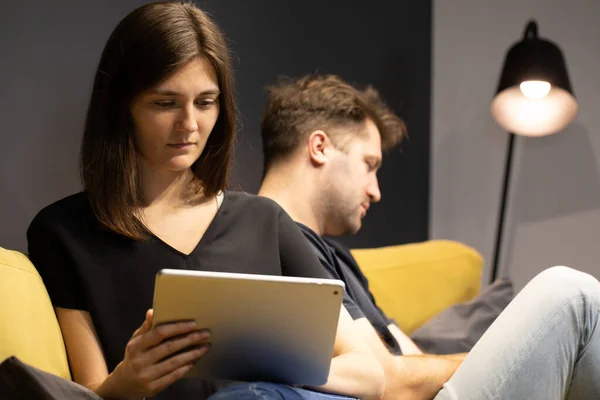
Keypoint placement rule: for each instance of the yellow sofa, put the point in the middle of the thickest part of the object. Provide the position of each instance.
(411, 283)
(28, 325)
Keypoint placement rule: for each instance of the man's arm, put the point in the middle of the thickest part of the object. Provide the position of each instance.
(414, 377)
(406, 344)
(410, 348)
(421, 377)
(354, 371)
(457, 356)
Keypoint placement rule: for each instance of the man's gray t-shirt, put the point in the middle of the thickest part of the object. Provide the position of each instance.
(358, 300)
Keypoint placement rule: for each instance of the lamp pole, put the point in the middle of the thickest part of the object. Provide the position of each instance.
(503, 204)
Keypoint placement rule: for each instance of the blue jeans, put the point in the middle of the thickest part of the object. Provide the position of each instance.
(545, 345)
(270, 391)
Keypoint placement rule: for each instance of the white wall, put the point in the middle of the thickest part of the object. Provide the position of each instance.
(554, 211)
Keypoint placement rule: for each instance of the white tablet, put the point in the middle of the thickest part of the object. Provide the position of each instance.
(263, 328)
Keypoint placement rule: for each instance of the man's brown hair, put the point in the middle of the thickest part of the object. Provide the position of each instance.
(296, 108)
(147, 46)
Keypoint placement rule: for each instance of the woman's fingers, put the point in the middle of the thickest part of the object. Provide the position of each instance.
(164, 332)
(134, 346)
(149, 315)
(168, 366)
(165, 381)
(146, 325)
(176, 344)
(158, 356)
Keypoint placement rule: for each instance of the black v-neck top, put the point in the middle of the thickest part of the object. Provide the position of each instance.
(87, 267)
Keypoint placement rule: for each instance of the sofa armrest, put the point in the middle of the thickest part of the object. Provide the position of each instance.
(28, 326)
(413, 282)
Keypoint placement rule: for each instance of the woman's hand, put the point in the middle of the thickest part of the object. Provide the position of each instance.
(157, 357)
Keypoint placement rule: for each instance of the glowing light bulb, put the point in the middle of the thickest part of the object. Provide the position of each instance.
(535, 89)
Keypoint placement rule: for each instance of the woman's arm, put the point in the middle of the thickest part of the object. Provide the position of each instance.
(144, 371)
(83, 348)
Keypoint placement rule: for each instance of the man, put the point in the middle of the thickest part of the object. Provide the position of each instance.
(323, 142)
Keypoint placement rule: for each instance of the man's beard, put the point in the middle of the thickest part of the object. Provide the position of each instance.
(340, 210)
(342, 221)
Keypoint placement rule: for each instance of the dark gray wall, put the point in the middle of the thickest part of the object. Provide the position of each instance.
(50, 52)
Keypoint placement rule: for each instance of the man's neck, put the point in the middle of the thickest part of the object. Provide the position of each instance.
(294, 193)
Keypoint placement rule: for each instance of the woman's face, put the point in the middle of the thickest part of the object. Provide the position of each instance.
(174, 119)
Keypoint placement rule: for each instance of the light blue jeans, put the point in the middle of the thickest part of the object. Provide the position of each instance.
(545, 345)
(270, 391)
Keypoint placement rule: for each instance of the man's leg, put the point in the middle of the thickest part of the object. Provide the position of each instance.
(545, 345)
(271, 391)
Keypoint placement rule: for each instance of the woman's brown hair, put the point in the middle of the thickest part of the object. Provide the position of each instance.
(147, 46)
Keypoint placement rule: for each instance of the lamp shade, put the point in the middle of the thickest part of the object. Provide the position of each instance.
(534, 95)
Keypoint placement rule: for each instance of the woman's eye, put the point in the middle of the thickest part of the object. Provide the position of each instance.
(164, 103)
(205, 102)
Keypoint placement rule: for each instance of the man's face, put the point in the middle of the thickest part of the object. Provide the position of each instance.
(351, 183)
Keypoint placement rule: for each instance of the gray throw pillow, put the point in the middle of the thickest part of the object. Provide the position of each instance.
(22, 381)
(458, 328)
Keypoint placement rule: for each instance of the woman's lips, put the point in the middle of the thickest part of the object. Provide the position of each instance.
(180, 145)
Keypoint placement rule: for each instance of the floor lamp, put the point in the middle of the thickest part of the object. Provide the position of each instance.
(534, 98)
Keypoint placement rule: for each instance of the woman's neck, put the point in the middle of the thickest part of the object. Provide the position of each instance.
(167, 188)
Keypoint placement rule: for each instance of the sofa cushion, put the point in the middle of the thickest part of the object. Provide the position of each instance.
(413, 282)
(21, 381)
(28, 325)
(458, 328)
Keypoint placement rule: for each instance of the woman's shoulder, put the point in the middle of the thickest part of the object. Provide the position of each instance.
(71, 209)
(243, 201)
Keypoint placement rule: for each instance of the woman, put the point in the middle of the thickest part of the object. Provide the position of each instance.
(154, 162)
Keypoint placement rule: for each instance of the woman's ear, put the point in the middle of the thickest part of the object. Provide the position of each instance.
(319, 146)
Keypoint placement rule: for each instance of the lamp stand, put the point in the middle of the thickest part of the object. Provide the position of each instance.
(503, 203)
